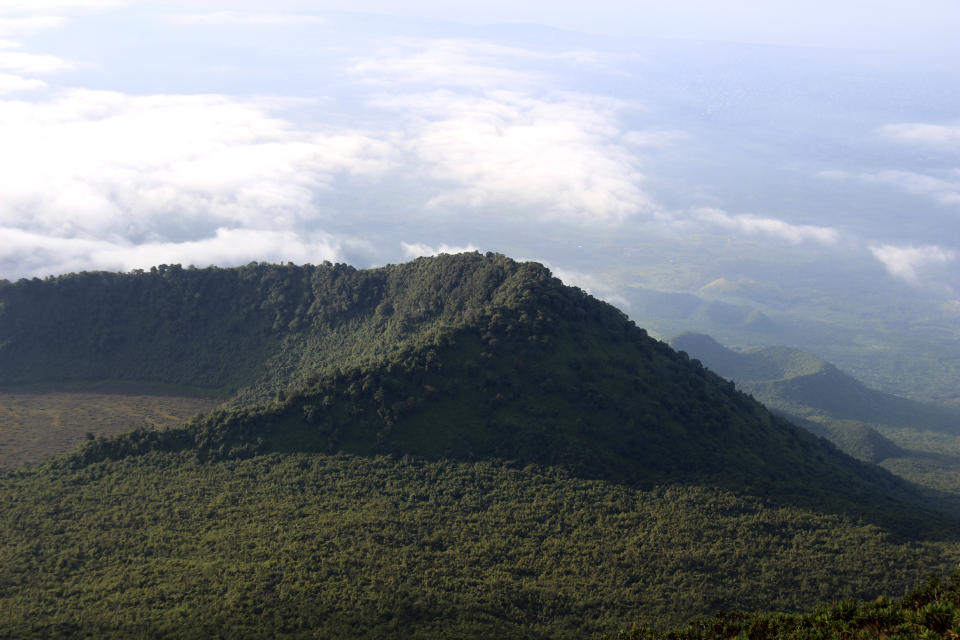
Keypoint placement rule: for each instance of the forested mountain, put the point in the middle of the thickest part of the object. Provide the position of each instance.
(463, 421)
(252, 329)
(463, 356)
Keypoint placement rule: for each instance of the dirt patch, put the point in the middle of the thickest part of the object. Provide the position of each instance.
(37, 424)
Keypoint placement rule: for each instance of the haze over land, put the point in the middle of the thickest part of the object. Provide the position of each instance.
(800, 161)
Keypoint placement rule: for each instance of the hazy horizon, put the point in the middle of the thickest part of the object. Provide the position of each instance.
(757, 148)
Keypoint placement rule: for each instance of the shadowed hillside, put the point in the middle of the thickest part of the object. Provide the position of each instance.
(252, 329)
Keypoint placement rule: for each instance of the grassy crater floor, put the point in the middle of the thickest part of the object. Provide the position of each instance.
(39, 423)
(344, 546)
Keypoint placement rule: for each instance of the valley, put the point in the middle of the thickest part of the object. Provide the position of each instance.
(918, 441)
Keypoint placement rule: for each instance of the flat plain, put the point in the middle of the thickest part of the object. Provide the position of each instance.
(37, 424)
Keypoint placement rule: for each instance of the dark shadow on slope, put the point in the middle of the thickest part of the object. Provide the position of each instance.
(595, 396)
(465, 357)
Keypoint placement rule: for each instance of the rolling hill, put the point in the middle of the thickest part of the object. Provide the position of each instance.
(803, 384)
(917, 441)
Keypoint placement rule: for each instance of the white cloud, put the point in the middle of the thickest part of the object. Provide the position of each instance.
(906, 263)
(594, 285)
(10, 83)
(492, 145)
(93, 163)
(31, 63)
(654, 138)
(945, 190)
(24, 253)
(159, 170)
(459, 63)
(754, 225)
(558, 159)
(419, 250)
(248, 18)
(34, 6)
(924, 134)
(28, 25)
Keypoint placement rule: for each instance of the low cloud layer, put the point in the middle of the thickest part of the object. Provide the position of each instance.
(420, 250)
(247, 18)
(771, 227)
(518, 138)
(38, 255)
(493, 142)
(33, 6)
(908, 263)
(556, 157)
(29, 63)
(943, 188)
(446, 62)
(163, 170)
(94, 164)
(10, 83)
(594, 285)
(933, 135)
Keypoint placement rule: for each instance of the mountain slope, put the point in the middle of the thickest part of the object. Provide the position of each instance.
(798, 382)
(480, 357)
(464, 356)
(252, 329)
(459, 446)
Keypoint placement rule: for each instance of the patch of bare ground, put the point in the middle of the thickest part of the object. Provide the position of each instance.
(36, 424)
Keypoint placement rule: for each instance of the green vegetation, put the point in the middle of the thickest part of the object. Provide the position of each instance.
(932, 611)
(805, 385)
(916, 441)
(900, 344)
(459, 446)
(545, 374)
(308, 545)
(253, 330)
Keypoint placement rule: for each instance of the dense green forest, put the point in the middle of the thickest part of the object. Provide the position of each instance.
(512, 364)
(459, 446)
(252, 329)
(307, 545)
(931, 611)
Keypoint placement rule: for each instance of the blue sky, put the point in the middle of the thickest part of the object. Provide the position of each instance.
(662, 144)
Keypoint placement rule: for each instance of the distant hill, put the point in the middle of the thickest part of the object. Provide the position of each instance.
(799, 382)
(692, 310)
(914, 440)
